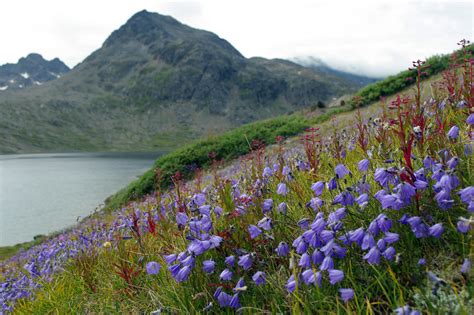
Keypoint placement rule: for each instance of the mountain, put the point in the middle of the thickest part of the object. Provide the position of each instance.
(319, 65)
(30, 70)
(156, 83)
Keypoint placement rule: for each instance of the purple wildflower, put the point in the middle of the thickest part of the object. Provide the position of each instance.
(152, 268)
(183, 274)
(283, 249)
(466, 266)
(341, 170)
(267, 205)
(463, 225)
(169, 258)
(453, 133)
(436, 230)
(363, 165)
(373, 256)
(291, 284)
(470, 119)
(230, 261)
(265, 223)
(245, 261)
(208, 266)
(181, 218)
(318, 188)
(259, 278)
(335, 276)
(281, 189)
(234, 301)
(305, 260)
(421, 262)
(226, 275)
(332, 184)
(282, 208)
(346, 294)
(254, 231)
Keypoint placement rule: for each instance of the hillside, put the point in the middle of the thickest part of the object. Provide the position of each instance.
(370, 215)
(30, 70)
(156, 83)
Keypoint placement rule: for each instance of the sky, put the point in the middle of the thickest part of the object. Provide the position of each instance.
(375, 38)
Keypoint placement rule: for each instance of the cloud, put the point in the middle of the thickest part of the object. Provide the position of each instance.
(371, 37)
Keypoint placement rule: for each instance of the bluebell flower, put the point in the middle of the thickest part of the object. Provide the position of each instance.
(224, 299)
(291, 284)
(318, 225)
(335, 276)
(389, 253)
(254, 231)
(230, 261)
(362, 200)
(391, 237)
(281, 189)
(205, 209)
(226, 275)
(308, 277)
(305, 261)
(436, 230)
(467, 197)
(453, 162)
(318, 188)
(283, 249)
(303, 223)
(470, 119)
(327, 264)
(208, 266)
(420, 184)
(240, 286)
(453, 133)
(265, 223)
(421, 262)
(317, 257)
(384, 177)
(234, 301)
(245, 261)
(183, 274)
(315, 203)
(218, 211)
(282, 208)
(267, 172)
(428, 162)
(383, 223)
(363, 165)
(199, 199)
(152, 268)
(332, 184)
(463, 225)
(259, 278)
(373, 256)
(466, 266)
(341, 171)
(346, 294)
(368, 241)
(356, 236)
(181, 218)
(267, 205)
(285, 171)
(345, 198)
(169, 258)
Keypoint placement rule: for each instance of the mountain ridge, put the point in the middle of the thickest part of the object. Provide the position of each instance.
(156, 82)
(30, 70)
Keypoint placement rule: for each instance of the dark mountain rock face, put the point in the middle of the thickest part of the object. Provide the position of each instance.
(155, 77)
(30, 70)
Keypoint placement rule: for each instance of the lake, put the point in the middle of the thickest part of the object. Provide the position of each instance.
(42, 193)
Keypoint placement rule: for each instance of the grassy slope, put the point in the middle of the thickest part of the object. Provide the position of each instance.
(90, 286)
(236, 142)
(232, 144)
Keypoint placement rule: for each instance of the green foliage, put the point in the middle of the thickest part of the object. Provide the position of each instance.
(396, 83)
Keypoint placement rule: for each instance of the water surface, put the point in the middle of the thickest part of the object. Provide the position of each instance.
(42, 193)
